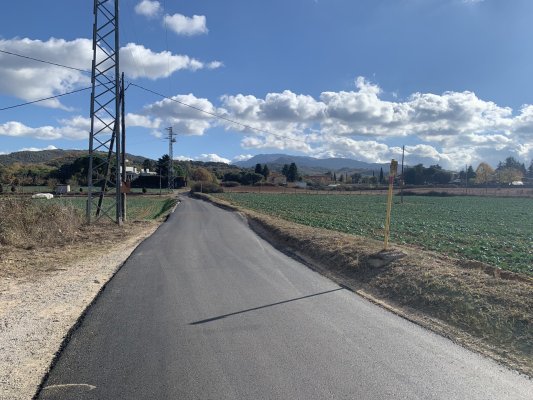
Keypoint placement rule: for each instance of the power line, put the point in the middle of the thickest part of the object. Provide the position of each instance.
(153, 92)
(47, 98)
(217, 115)
(44, 61)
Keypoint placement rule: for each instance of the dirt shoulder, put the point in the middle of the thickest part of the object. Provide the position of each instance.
(43, 292)
(477, 306)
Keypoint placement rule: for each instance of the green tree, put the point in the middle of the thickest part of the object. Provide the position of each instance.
(356, 177)
(292, 173)
(265, 172)
(381, 176)
(162, 165)
(470, 173)
(285, 170)
(148, 164)
(415, 175)
(258, 169)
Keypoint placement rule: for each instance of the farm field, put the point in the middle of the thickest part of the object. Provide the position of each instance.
(138, 207)
(496, 231)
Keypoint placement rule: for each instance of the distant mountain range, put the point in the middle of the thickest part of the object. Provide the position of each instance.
(306, 165)
(311, 164)
(52, 157)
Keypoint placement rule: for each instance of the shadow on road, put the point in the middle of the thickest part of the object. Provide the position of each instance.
(203, 321)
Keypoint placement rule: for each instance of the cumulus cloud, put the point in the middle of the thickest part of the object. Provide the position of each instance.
(51, 147)
(205, 158)
(451, 128)
(48, 132)
(242, 157)
(139, 62)
(75, 128)
(186, 120)
(188, 26)
(30, 80)
(149, 8)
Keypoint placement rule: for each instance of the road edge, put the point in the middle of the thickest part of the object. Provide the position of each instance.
(68, 336)
(458, 336)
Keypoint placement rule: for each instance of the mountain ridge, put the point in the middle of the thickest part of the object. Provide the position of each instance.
(333, 164)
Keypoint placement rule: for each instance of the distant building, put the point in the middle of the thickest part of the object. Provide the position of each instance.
(62, 189)
(147, 172)
(131, 173)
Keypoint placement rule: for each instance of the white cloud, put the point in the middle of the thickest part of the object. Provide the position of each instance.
(215, 64)
(142, 121)
(149, 8)
(51, 147)
(139, 62)
(184, 120)
(242, 157)
(30, 80)
(359, 124)
(205, 158)
(188, 26)
(213, 158)
(75, 128)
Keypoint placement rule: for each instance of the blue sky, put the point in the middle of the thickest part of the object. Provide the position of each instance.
(449, 79)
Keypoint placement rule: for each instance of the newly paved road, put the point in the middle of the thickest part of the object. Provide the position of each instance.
(204, 309)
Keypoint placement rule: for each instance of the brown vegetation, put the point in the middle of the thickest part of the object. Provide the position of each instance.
(478, 306)
(26, 223)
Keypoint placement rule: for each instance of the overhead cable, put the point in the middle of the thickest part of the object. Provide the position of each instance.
(44, 61)
(217, 115)
(47, 98)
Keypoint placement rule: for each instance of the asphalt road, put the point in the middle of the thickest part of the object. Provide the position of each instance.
(205, 309)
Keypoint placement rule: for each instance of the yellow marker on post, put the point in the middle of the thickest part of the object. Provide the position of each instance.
(392, 174)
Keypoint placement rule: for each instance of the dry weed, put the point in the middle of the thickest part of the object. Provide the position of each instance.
(27, 223)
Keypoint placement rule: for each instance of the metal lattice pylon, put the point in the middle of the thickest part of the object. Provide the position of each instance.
(104, 175)
(171, 141)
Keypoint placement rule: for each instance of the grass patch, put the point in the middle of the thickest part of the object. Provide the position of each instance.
(495, 231)
(138, 208)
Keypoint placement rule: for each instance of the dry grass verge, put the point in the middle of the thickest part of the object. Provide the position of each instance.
(27, 223)
(470, 303)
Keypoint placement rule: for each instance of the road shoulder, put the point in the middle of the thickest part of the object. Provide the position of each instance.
(42, 295)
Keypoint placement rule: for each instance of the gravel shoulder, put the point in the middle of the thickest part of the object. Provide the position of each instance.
(43, 292)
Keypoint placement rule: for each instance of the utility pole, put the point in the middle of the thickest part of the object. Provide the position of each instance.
(105, 108)
(171, 141)
(403, 181)
(123, 149)
(466, 178)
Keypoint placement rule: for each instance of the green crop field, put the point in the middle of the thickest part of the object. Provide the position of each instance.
(138, 207)
(497, 231)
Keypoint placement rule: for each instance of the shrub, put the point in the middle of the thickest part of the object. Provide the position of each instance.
(25, 223)
(144, 190)
(206, 187)
(230, 184)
